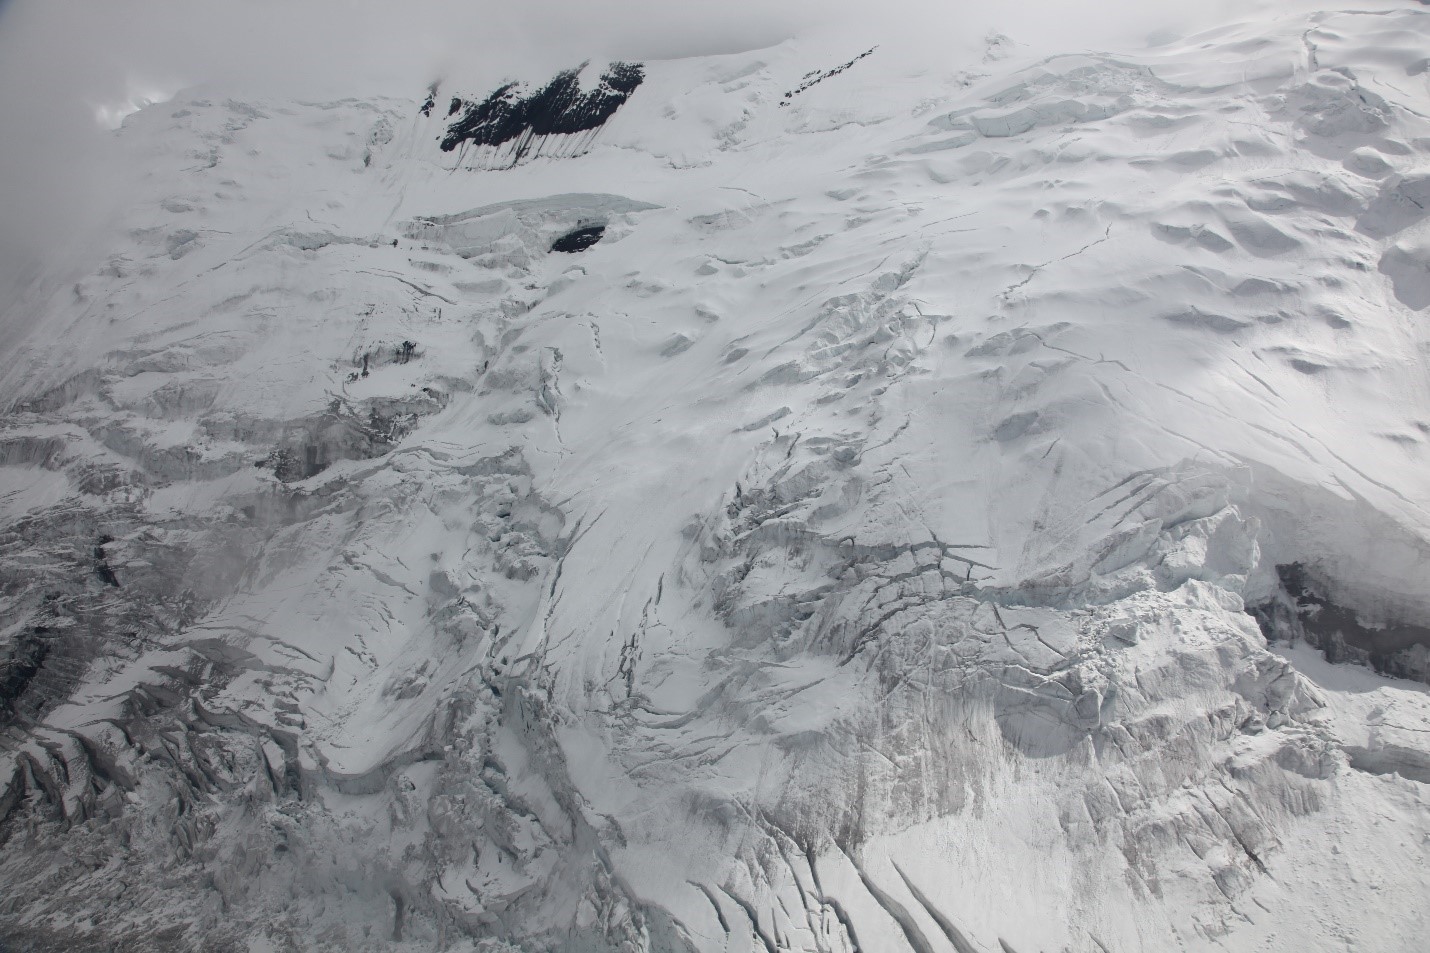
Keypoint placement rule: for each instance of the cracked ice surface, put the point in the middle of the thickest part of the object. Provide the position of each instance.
(849, 551)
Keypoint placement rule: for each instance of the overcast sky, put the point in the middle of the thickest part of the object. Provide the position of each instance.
(68, 68)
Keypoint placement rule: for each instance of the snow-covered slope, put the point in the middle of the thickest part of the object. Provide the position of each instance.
(852, 549)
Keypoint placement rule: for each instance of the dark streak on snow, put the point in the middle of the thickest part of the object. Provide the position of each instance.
(815, 77)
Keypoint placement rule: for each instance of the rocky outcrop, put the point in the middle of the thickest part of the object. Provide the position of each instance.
(513, 124)
(1305, 610)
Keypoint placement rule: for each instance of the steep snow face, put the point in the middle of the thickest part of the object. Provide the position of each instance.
(822, 516)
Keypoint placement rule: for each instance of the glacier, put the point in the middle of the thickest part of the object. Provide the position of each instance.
(814, 498)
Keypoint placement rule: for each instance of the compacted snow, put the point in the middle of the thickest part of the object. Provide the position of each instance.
(812, 504)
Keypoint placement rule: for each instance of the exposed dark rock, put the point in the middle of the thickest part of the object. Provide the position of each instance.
(579, 240)
(102, 569)
(1305, 610)
(19, 666)
(558, 108)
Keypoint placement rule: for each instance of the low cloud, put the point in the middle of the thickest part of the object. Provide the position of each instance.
(71, 70)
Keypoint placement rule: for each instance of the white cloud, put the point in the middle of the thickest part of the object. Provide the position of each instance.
(70, 69)
(138, 94)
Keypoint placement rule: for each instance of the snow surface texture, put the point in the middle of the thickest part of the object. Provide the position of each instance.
(849, 550)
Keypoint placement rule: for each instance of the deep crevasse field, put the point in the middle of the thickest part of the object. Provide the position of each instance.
(850, 551)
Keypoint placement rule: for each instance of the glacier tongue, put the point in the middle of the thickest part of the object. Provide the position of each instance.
(845, 545)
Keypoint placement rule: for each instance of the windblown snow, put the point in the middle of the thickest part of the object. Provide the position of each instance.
(733, 520)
